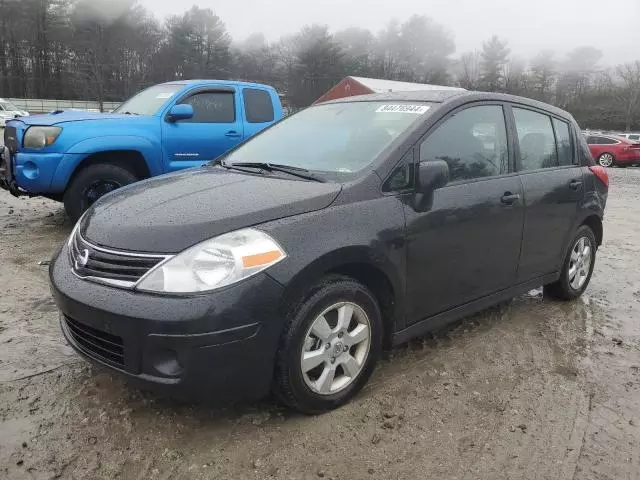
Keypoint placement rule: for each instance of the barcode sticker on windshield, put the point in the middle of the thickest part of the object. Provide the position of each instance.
(403, 108)
(165, 95)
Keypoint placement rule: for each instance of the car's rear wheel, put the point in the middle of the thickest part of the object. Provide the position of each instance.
(606, 160)
(93, 182)
(577, 267)
(330, 346)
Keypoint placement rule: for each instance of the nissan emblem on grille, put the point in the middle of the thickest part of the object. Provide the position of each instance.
(113, 267)
(83, 258)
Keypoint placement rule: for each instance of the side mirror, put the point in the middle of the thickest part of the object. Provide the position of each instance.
(180, 112)
(432, 175)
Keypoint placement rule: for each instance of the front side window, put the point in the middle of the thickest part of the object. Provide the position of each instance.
(258, 105)
(149, 101)
(337, 139)
(536, 139)
(473, 142)
(563, 140)
(211, 107)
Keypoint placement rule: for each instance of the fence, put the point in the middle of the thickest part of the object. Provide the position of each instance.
(35, 105)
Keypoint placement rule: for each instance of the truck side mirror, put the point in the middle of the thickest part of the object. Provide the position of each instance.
(432, 175)
(180, 112)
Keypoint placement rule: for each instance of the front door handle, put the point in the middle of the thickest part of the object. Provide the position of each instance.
(509, 198)
(232, 134)
(575, 184)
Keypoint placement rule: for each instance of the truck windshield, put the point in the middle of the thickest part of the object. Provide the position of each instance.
(338, 138)
(149, 101)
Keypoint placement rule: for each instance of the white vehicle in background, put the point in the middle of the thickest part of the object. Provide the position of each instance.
(634, 137)
(8, 111)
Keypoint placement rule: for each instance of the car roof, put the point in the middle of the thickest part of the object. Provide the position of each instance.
(446, 96)
(204, 82)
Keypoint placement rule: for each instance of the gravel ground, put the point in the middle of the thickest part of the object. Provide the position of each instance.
(529, 389)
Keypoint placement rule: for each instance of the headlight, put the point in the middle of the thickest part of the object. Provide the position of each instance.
(215, 263)
(40, 137)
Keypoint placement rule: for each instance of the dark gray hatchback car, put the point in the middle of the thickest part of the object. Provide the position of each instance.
(287, 265)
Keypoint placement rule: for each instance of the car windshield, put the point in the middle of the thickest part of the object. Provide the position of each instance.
(338, 138)
(149, 101)
(9, 106)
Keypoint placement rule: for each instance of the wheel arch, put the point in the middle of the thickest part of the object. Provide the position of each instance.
(594, 222)
(356, 263)
(132, 160)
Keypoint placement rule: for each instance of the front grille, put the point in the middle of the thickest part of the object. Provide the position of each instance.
(96, 343)
(122, 269)
(11, 139)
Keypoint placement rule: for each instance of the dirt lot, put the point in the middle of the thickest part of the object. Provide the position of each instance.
(531, 389)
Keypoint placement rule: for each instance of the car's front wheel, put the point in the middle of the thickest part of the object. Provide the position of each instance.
(606, 160)
(577, 267)
(330, 346)
(93, 182)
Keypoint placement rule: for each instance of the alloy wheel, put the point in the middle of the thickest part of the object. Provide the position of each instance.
(605, 160)
(580, 263)
(336, 348)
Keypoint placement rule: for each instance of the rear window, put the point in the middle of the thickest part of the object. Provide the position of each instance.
(634, 137)
(258, 105)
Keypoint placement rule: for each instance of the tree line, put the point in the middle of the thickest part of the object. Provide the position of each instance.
(106, 50)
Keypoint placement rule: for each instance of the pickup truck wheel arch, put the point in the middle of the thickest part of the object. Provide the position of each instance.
(91, 182)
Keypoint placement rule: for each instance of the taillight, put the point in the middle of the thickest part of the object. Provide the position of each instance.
(601, 173)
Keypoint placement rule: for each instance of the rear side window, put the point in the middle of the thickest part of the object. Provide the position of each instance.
(473, 142)
(563, 141)
(536, 139)
(211, 107)
(258, 105)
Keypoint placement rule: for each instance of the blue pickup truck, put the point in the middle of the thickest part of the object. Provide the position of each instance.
(76, 157)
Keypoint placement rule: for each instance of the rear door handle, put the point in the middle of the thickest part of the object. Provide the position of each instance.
(575, 184)
(232, 134)
(510, 198)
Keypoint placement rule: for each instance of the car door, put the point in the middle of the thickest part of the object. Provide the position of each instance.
(547, 160)
(464, 242)
(215, 128)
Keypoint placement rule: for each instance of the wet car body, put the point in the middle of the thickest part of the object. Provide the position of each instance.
(428, 257)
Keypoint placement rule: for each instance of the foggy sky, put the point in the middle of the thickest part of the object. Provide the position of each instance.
(530, 26)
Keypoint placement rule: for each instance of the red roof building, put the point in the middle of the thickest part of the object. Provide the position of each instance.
(352, 86)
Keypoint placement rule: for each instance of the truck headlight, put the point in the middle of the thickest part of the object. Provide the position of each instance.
(39, 137)
(214, 263)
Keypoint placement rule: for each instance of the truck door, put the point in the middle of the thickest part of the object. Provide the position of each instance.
(216, 127)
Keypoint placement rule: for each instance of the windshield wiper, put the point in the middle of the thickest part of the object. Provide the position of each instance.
(274, 167)
(128, 113)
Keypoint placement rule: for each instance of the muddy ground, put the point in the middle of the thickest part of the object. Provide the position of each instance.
(530, 389)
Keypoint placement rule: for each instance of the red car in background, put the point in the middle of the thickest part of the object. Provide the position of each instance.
(609, 150)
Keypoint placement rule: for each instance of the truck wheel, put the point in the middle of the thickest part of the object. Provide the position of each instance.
(93, 182)
(329, 347)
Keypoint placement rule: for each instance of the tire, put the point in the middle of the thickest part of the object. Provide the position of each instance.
(606, 160)
(564, 288)
(93, 182)
(300, 390)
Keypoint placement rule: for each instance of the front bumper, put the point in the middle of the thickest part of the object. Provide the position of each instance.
(219, 345)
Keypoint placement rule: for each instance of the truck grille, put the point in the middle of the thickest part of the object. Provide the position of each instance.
(11, 139)
(117, 268)
(95, 343)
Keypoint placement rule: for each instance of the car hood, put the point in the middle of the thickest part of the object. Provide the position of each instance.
(170, 213)
(73, 116)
